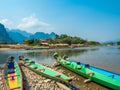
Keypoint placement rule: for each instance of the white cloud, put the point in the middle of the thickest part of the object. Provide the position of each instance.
(33, 24)
(30, 24)
(6, 22)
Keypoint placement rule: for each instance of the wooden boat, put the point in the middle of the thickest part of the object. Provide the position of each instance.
(101, 76)
(102, 71)
(45, 71)
(12, 77)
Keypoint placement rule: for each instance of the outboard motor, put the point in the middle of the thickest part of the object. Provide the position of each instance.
(65, 57)
(11, 58)
(55, 55)
(21, 57)
(78, 63)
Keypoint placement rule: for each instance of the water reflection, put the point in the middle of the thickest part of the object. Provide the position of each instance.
(45, 55)
(119, 48)
(50, 53)
(3, 57)
(103, 57)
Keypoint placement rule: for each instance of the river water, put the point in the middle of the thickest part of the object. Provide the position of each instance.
(106, 57)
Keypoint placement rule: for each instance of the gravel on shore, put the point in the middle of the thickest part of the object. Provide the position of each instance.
(1, 83)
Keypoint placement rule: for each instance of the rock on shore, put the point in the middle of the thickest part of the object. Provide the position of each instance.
(1, 83)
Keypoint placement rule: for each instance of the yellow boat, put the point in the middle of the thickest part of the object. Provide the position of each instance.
(12, 77)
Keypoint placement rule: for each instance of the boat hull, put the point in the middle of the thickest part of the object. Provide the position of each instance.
(90, 74)
(102, 71)
(12, 81)
(37, 68)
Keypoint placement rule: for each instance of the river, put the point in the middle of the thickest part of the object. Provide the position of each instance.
(106, 57)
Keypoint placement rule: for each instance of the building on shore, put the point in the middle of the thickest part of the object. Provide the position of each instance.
(44, 42)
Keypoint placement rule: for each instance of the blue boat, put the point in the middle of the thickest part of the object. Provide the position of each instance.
(102, 71)
(98, 75)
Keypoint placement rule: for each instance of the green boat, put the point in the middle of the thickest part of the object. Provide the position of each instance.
(12, 77)
(92, 75)
(45, 71)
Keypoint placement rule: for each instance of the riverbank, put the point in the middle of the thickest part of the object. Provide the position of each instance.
(33, 81)
(20, 46)
(50, 46)
(4, 49)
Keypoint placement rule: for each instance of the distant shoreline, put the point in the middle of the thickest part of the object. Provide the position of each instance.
(51, 46)
(5, 48)
(27, 47)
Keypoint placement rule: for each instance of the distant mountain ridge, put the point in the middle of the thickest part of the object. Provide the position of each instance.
(24, 33)
(18, 36)
(4, 36)
(42, 35)
(112, 41)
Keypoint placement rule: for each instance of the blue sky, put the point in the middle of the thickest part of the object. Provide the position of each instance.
(90, 19)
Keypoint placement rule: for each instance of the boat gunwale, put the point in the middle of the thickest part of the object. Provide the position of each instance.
(101, 81)
(106, 71)
(95, 67)
(86, 76)
(52, 77)
(88, 69)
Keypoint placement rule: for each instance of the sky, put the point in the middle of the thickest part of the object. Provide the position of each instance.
(97, 20)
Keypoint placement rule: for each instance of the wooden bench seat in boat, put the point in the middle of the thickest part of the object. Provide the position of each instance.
(12, 76)
(15, 88)
(58, 75)
(89, 73)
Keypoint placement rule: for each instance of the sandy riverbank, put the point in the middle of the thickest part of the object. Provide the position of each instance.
(51, 46)
(5, 48)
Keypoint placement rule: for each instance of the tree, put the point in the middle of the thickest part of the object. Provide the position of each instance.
(62, 36)
(32, 42)
(56, 36)
(118, 43)
(93, 43)
(66, 40)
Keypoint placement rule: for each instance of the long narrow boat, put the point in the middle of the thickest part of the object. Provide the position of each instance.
(45, 71)
(100, 70)
(103, 77)
(12, 79)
